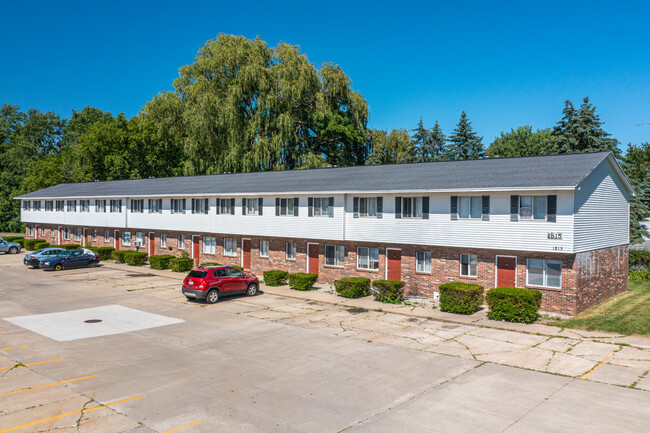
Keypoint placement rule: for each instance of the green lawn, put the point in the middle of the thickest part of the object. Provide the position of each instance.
(627, 313)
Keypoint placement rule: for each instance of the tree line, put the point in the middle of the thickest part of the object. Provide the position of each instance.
(243, 106)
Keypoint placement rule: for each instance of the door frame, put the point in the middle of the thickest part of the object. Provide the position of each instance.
(242, 251)
(496, 267)
(307, 264)
(58, 235)
(400, 266)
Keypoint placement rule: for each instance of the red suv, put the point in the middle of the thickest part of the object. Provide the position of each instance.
(212, 282)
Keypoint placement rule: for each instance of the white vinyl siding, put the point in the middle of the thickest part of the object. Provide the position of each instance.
(209, 245)
(468, 265)
(264, 248)
(423, 261)
(368, 258)
(230, 247)
(544, 273)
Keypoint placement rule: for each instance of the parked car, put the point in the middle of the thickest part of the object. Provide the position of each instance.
(209, 283)
(70, 259)
(34, 259)
(9, 247)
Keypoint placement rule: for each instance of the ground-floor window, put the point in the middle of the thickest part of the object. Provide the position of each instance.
(126, 239)
(546, 273)
(107, 235)
(163, 240)
(290, 251)
(423, 261)
(66, 233)
(52, 231)
(94, 235)
(30, 230)
(181, 242)
(264, 248)
(43, 231)
(334, 255)
(230, 247)
(77, 234)
(368, 258)
(209, 245)
(468, 264)
(139, 238)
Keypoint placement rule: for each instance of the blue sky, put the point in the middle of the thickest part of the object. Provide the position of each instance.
(505, 63)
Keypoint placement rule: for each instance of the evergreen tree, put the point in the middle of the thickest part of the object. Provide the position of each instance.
(421, 142)
(464, 143)
(636, 164)
(437, 143)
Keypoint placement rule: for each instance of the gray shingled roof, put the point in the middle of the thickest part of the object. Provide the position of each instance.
(558, 171)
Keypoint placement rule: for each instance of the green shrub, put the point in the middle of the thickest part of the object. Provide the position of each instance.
(104, 253)
(210, 264)
(180, 264)
(302, 281)
(639, 259)
(513, 304)
(40, 245)
(71, 246)
(388, 291)
(160, 261)
(31, 243)
(13, 238)
(136, 258)
(119, 255)
(643, 274)
(460, 298)
(275, 277)
(353, 287)
(20, 242)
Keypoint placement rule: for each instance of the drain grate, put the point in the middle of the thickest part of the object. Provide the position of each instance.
(357, 310)
(92, 321)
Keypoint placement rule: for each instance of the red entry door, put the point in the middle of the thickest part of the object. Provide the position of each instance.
(394, 271)
(116, 239)
(506, 271)
(152, 243)
(246, 253)
(312, 264)
(85, 238)
(195, 249)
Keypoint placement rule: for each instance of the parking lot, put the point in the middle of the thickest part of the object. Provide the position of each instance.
(159, 363)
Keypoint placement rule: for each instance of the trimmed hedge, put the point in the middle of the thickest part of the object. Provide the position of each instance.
(639, 259)
(30, 243)
(352, 287)
(275, 277)
(388, 291)
(643, 274)
(302, 281)
(136, 258)
(514, 304)
(13, 238)
(104, 253)
(210, 264)
(180, 264)
(66, 246)
(241, 268)
(160, 262)
(460, 298)
(119, 255)
(41, 245)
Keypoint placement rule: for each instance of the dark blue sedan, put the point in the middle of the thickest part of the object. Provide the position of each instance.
(70, 259)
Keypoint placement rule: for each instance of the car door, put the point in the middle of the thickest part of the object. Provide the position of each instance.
(3, 246)
(220, 280)
(237, 281)
(74, 260)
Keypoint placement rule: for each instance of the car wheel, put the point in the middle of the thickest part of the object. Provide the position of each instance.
(13, 250)
(251, 290)
(58, 267)
(92, 264)
(213, 296)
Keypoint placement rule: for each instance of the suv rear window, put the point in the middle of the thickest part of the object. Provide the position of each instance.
(197, 274)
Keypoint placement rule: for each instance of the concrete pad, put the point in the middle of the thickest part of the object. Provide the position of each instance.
(452, 348)
(632, 354)
(563, 363)
(71, 325)
(532, 358)
(556, 344)
(592, 350)
(479, 345)
(644, 382)
(616, 374)
(509, 336)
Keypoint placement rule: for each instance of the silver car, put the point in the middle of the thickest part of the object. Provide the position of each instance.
(9, 247)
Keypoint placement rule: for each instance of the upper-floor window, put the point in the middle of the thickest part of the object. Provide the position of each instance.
(178, 205)
(287, 206)
(49, 205)
(533, 207)
(252, 206)
(334, 255)
(368, 207)
(225, 206)
(116, 206)
(100, 206)
(468, 265)
(200, 205)
(36, 205)
(59, 205)
(368, 258)
(84, 205)
(155, 205)
(264, 248)
(137, 206)
(71, 206)
(470, 207)
(545, 273)
(27, 205)
(412, 207)
(321, 206)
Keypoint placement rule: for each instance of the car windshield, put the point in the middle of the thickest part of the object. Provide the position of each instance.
(39, 251)
(197, 274)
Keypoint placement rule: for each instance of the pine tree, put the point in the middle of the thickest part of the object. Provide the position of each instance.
(464, 143)
(421, 142)
(437, 143)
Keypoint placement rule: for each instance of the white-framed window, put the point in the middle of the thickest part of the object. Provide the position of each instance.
(52, 231)
(178, 205)
(49, 205)
(139, 238)
(334, 255)
(36, 205)
(126, 239)
(42, 231)
(84, 205)
(264, 248)
(209, 245)
(200, 205)
(181, 242)
(411, 207)
(470, 206)
(137, 206)
(66, 233)
(544, 273)
(71, 206)
(155, 205)
(77, 234)
(533, 207)
(27, 205)
(230, 247)
(468, 265)
(290, 251)
(93, 235)
(322, 206)
(251, 206)
(59, 206)
(163, 240)
(367, 258)
(107, 235)
(423, 261)
(100, 206)
(116, 206)
(368, 206)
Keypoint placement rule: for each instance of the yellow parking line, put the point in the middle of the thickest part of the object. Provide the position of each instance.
(33, 363)
(597, 366)
(15, 347)
(49, 384)
(182, 427)
(68, 414)
(374, 338)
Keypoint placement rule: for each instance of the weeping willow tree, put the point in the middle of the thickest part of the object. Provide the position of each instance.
(248, 107)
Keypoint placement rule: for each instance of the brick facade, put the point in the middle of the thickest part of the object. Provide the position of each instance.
(587, 278)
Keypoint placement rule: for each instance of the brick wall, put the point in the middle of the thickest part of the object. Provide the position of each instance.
(600, 274)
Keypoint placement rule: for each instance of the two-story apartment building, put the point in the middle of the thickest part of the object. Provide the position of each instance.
(558, 224)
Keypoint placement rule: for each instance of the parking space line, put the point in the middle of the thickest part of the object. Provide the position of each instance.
(49, 384)
(68, 414)
(182, 427)
(587, 374)
(30, 364)
(15, 347)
